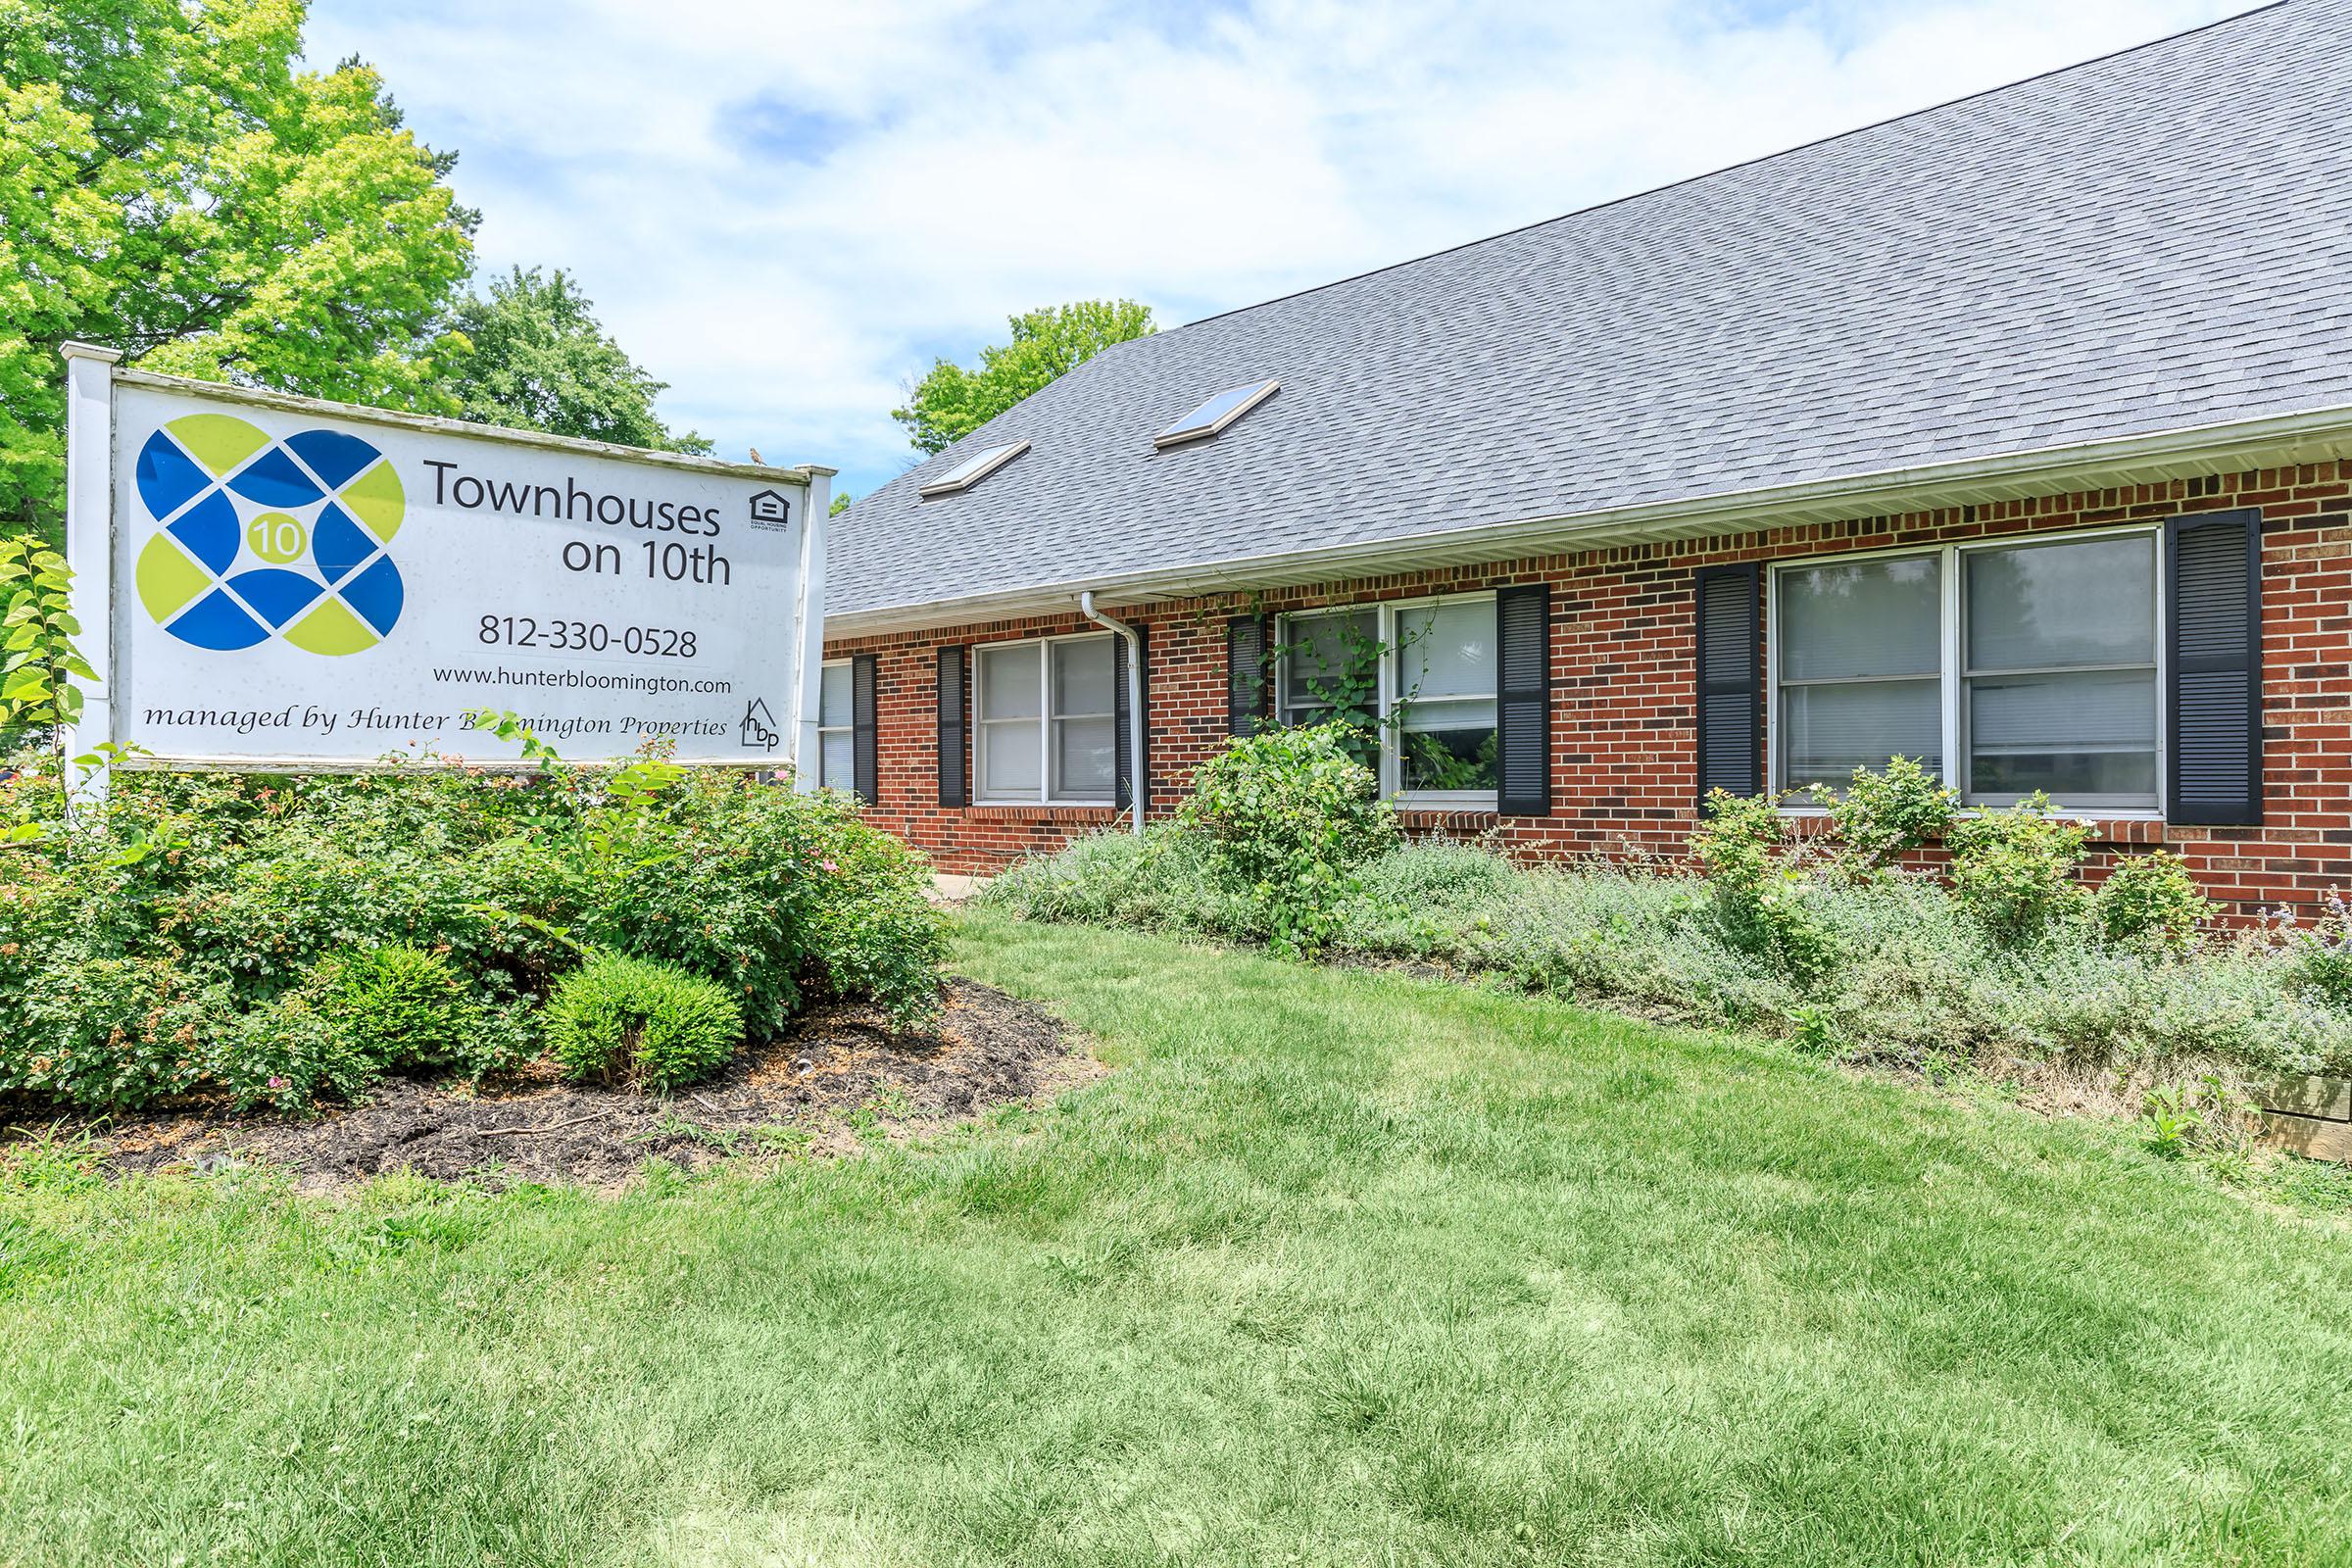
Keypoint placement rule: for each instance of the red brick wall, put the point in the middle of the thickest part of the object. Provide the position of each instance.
(1623, 742)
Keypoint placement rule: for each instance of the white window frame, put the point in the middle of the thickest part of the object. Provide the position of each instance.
(1392, 763)
(850, 729)
(1045, 720)
(1952, 677)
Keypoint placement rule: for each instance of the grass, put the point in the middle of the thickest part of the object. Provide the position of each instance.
(1341, 1268)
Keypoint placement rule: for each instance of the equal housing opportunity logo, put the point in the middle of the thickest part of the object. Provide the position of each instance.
(260, 538)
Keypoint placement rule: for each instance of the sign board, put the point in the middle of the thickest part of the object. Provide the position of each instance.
(272, 581)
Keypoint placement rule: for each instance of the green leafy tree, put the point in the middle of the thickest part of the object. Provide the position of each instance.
(171, 185)
(950, 402)
(841, 504)
(532, 355)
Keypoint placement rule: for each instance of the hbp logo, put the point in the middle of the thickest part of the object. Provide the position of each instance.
(259, 538)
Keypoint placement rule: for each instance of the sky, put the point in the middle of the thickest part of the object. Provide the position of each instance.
(788, 210)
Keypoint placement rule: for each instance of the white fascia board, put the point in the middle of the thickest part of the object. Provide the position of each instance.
(2193, 451)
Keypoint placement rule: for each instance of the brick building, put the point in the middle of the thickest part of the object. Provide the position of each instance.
(2014, 435)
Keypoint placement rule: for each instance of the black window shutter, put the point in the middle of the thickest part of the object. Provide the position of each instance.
(953, 701)
(1122, 720)
(1523, 738)
(1245, 674)
(2213, 625)
(865, 767)
(1730, 681)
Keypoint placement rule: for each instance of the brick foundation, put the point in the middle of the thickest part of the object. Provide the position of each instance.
(1623, 765)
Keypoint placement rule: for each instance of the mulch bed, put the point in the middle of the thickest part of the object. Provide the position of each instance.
(839, 1074)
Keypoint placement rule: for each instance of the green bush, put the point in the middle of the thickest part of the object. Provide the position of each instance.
(111, 1033)
(2014, 870)
(290, 1053)
(1287, 813)
(618, 1019)
(1884, 816)
(2323, 956)
(132, 942)
(402, 1007)
(405, 1009)
(2150, 902)
(1763, 903)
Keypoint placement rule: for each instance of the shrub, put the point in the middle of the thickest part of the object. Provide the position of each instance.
(617, 1019)
(2014, 870)
(134, 940)
(2323, 956)
(399, 1006)
(1884, 816)
(290, 1053)
(1763, 905)
(2150, 902)
(1287, 813)
(110, 1033)
(405, 1010)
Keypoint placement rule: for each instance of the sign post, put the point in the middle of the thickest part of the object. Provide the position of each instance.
(267, 581)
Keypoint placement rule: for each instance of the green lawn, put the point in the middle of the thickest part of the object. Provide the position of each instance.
(1338, 1268)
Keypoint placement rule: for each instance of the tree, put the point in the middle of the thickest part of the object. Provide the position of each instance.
(841, 504)
(170, 185)
(950, 402)
(531, 355)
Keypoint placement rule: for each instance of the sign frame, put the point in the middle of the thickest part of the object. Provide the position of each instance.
(101, 604)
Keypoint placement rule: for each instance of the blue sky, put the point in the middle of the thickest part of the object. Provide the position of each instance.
(788, 210)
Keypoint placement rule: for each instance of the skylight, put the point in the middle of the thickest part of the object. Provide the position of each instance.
(1216, 414)
(972, 469)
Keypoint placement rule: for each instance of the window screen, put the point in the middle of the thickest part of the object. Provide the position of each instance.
(1860, 668)
(1046, 730)
(1331, 667)
(1085, 734)
(836, 745)
(1447, 689)
(2059, 657)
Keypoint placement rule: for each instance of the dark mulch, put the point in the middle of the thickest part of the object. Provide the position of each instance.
(839, 1074)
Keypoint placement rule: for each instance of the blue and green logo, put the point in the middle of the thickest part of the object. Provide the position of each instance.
(259, 538)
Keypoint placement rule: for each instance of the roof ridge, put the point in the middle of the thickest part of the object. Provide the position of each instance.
(1744, 162)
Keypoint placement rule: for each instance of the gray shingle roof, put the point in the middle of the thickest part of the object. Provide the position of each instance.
(2153, 240)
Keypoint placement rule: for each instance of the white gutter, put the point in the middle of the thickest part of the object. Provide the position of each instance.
(1135, 701)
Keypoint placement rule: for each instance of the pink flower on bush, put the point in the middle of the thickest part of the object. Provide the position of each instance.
(277, 1083)
(828, 865)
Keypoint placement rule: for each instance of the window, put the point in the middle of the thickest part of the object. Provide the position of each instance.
(1045, 712)
(1330, 667)
(1216, 414)
(1423, 676)
(836, 744)
(2004, 667)
(972, 470)
(2059, 683)
(1446, 740)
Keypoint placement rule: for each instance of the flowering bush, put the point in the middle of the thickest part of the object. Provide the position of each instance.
(210, 933)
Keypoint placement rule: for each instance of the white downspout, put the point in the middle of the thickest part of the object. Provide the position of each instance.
(1135, 700)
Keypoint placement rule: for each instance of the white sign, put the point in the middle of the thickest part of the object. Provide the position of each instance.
(272, 580)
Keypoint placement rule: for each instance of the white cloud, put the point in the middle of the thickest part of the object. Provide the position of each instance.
(785, 209)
